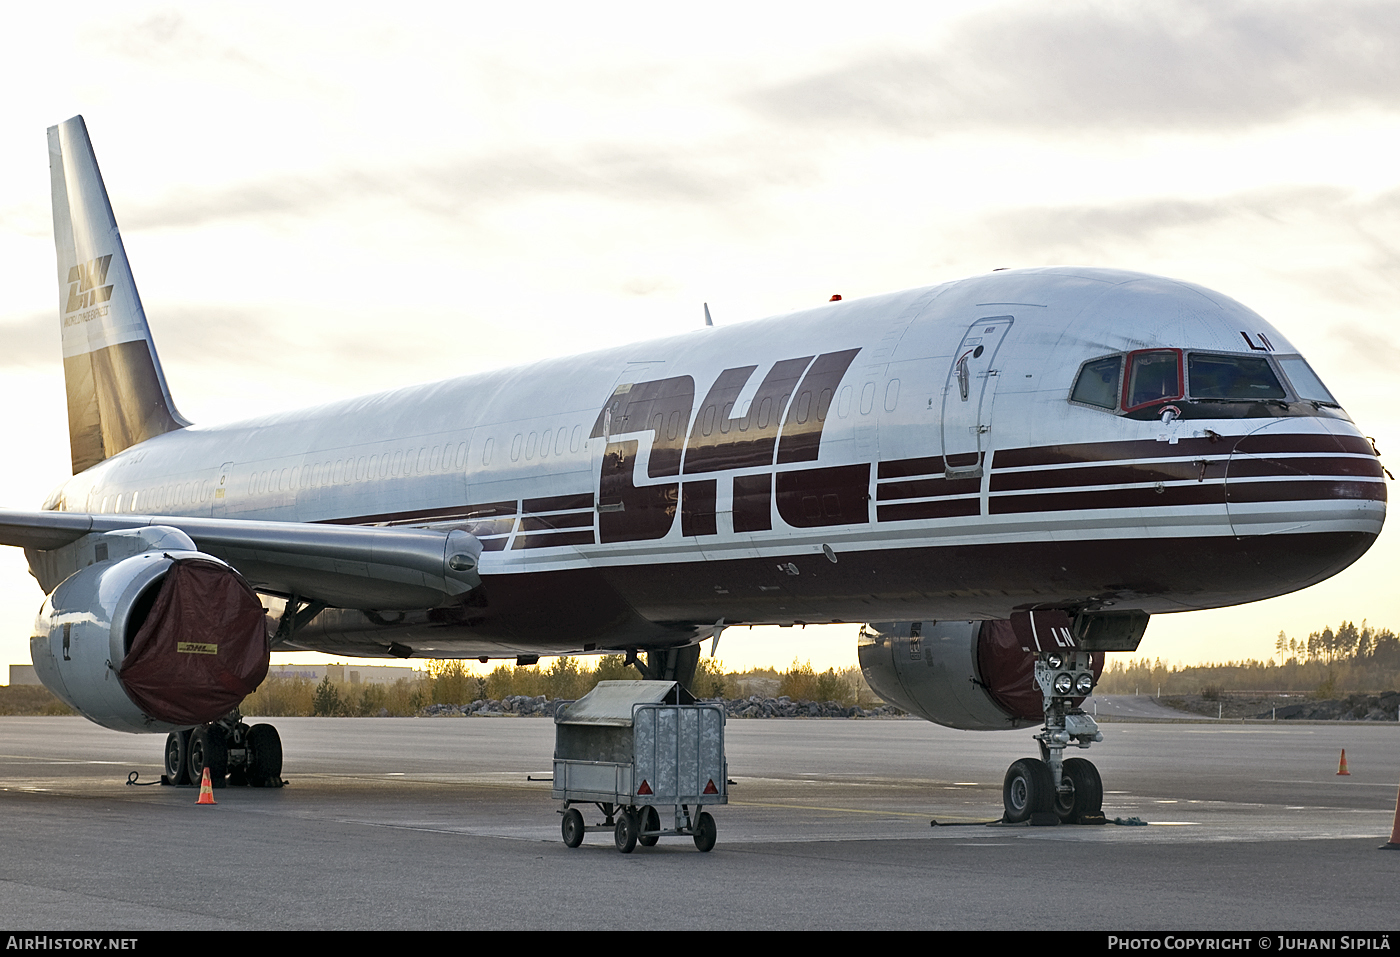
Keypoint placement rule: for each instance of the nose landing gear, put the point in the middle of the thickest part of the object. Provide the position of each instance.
(1052, 789)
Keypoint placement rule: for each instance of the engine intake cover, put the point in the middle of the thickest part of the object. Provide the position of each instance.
(202, 649)
(153, 642)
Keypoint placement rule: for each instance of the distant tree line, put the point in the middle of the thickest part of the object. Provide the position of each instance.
(565, 677)
(1349, 659)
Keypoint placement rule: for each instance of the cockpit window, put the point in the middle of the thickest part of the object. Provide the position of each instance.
(1153, 376)
(1232, 377)
(1305, 381)
(1098, 382)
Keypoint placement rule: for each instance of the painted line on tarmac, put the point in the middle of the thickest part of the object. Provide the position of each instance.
(841, 810)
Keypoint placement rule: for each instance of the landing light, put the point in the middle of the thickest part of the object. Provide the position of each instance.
(1063, 684)
(1085, 684)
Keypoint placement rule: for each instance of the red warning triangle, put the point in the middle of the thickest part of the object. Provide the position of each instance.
(645, 788)
(710, 788)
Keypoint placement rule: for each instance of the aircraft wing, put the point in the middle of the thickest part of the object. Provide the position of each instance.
(341, 565)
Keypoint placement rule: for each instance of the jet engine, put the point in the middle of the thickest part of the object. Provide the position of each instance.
(971, 675)
(148, 634)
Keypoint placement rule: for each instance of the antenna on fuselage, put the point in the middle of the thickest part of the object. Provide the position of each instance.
(708, 320)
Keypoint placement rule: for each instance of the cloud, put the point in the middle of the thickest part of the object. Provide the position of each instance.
(168, 38)
(644, 175)
(204, 335)
(1367, 222)
(1089, 231)
(1370, 347)
(1331, 247)
(30, 343)
(1175, 65)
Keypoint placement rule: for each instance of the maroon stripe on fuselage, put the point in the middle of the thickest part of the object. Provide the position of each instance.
(559, 503)
(1186, 469)
(1262, 443)
(1300, 490)
(1242, 467)
(552, 539)
(939, 508)
(926, 488)
(1303, 491)
(424, 516)
(1150, 497)
(1086, 453)
(1106, 475)
(540, 523)
(900, 468)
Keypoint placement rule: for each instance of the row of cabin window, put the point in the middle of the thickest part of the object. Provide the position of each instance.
(867, 398)
(162, 497)
(438, 458)
(536, 443)
(425, 460)
(321, 475)
(563, 438)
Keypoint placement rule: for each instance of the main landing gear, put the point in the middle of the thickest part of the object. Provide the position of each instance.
(234, 753)
(1052, 789)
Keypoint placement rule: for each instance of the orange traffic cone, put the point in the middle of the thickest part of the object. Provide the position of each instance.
(1342, 768)
(1394, 843)
(206, 790)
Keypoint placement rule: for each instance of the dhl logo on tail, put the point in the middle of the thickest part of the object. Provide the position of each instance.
(86, 284)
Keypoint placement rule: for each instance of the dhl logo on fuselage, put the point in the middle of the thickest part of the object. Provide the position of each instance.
(782, 424)
(86, 284)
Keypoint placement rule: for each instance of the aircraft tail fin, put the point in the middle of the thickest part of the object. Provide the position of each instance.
(117, 395)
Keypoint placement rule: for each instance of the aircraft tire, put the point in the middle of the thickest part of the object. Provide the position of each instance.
(208, 749)
(177, 749)
(705, 832)
(650, 821)
(264, 756)
(572, 827)
(1029, 788)
(625, 832)
(1087, 796)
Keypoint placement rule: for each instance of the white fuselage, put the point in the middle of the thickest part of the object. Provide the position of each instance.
(913, 455)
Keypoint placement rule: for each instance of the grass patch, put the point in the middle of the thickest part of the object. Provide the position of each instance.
(31, 700)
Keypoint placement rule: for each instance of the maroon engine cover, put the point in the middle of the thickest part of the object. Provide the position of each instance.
(202, 649)
(1009, 671)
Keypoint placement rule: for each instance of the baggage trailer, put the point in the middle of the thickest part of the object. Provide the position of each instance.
(631, 748)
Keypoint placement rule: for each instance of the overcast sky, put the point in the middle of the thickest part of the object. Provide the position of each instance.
(316, 207)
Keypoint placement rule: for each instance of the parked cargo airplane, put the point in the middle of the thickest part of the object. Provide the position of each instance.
(1006, 475)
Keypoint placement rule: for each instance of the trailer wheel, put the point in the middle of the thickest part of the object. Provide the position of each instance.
(625, 832)
(650, 821)
(572, 828)
(705, 832)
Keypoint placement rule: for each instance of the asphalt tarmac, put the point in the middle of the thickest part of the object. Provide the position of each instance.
(433, 823)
